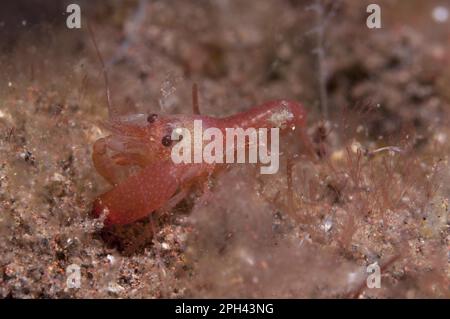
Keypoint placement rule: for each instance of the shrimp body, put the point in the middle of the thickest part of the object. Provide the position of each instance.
(136, 157)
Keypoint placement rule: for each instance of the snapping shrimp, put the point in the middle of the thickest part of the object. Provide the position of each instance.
(136, 157)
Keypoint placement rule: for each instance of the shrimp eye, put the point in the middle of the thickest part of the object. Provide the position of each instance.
(166, 140)
(152, 118)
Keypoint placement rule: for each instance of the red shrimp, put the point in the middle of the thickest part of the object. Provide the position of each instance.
(136, 157)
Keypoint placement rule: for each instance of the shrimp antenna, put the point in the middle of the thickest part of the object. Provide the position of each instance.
(195, 104)
(105, 74)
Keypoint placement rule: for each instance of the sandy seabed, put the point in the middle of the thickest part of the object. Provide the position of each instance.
(356, 205)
